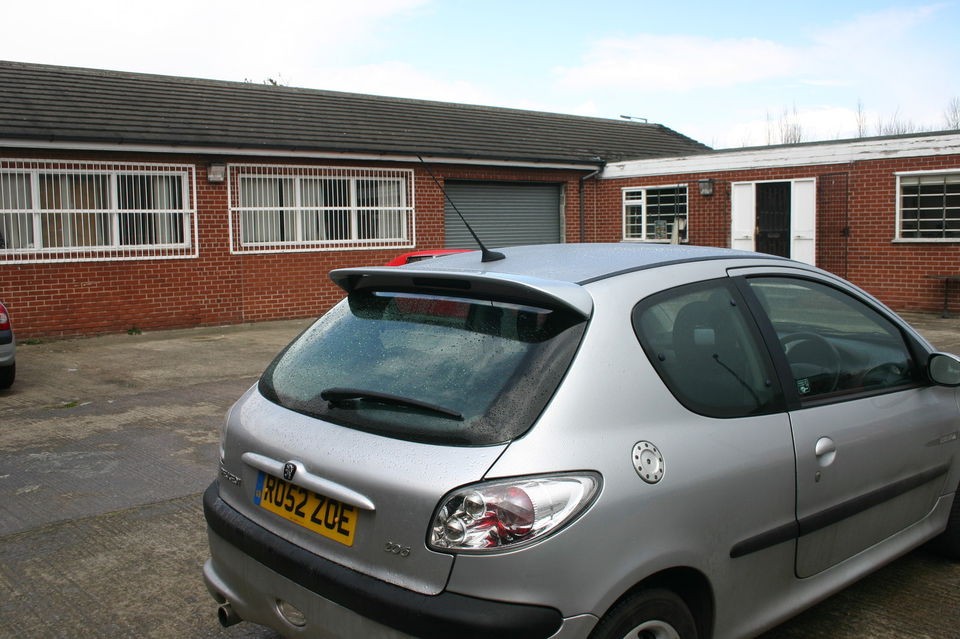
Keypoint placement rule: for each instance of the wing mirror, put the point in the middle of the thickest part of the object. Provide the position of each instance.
(944, 369)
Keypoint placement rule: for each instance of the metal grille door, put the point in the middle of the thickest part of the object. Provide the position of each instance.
(773, 218)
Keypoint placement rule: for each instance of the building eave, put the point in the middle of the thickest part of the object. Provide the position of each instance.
(784, 156)
(227, 151)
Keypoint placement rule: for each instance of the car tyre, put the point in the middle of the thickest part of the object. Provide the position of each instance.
(648, 614)
(948, 543)
(7, 373)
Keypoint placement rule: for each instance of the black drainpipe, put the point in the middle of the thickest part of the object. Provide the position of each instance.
(583, 215)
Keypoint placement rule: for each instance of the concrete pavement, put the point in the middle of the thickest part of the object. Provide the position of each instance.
(106, 444)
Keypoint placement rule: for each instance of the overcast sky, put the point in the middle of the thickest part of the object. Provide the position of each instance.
(723, 73)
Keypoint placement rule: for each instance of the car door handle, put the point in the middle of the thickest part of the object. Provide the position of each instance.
(826, 451)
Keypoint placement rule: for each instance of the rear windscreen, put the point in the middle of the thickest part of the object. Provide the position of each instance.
(427, 367)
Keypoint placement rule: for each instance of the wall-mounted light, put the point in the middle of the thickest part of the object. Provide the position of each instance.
(216, 172)
(706, 186)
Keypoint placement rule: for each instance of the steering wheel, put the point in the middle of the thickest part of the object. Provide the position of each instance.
(812, 357)
(883, 375)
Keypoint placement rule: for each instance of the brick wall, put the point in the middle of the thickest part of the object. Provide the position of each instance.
(856, 213)
(84, 298)
(856, 224)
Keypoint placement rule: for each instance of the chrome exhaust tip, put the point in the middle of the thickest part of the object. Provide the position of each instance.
(227, 616)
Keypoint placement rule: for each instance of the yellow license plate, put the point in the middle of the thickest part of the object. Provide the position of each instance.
(323, 515)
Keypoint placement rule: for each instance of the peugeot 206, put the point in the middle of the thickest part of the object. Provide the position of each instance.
(604, 441)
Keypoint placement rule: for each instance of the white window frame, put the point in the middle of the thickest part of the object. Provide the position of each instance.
(679, 233)
(260, 223)
(102, 218)
(919, 175)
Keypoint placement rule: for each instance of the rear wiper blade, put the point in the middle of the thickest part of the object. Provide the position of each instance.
(339, 395)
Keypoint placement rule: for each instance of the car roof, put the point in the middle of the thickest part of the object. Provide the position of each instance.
(582, 263)
(550, 274)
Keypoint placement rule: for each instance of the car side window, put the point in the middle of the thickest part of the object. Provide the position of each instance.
(834, 343)
(707, 351)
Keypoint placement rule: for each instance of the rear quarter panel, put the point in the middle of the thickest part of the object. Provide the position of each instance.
(725, 480)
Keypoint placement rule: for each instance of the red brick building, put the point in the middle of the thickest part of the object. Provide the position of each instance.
(131, 200)
(882, 212)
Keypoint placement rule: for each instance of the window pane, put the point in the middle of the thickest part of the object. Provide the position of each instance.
(75, 229)
(145, 202)
(927, 206)
(64, 210)
(313, 208)
(16, 229)
(311, 195)
(656, 214)
(704, 350)
(77, 198)
(273, 202)
(634, 221)
(326, 208)
(833, 343)
(385, 222)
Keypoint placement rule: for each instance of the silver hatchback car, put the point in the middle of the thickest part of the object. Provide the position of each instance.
(603, 441)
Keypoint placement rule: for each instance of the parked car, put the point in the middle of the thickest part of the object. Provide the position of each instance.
(603, 441)
(417, 256)
(8, 350)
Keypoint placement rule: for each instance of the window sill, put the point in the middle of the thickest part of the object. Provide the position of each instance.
(634, 240)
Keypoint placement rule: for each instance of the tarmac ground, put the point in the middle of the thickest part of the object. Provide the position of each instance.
(107, 443)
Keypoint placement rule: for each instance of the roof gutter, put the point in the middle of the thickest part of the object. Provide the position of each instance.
(782, 156)
(291, 153)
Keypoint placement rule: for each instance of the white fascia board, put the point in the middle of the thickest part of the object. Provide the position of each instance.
(787, 156)
(315, 155)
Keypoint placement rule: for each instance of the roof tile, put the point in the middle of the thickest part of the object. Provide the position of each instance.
(51, 103)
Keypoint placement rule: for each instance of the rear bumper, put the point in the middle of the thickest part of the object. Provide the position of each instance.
(357, 599)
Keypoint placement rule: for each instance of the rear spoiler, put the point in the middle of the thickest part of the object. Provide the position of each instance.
(500, 286)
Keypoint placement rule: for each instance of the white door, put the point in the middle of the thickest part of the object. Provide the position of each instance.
(803, 221)
(743, 215)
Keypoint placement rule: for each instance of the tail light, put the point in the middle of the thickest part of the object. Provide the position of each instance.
(504, 514)
(4, 319)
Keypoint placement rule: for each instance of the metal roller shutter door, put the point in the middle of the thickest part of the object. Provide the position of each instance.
(502, 214)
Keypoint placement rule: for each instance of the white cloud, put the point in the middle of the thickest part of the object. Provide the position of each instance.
(720, 90)
(869, 45)
(819, 122)
(396, 79)
(230, 40)
(678, 62)
(888, 58)
(865, 29)
(588, 108)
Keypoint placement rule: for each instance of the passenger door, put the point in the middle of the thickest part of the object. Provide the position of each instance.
(870, 433)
